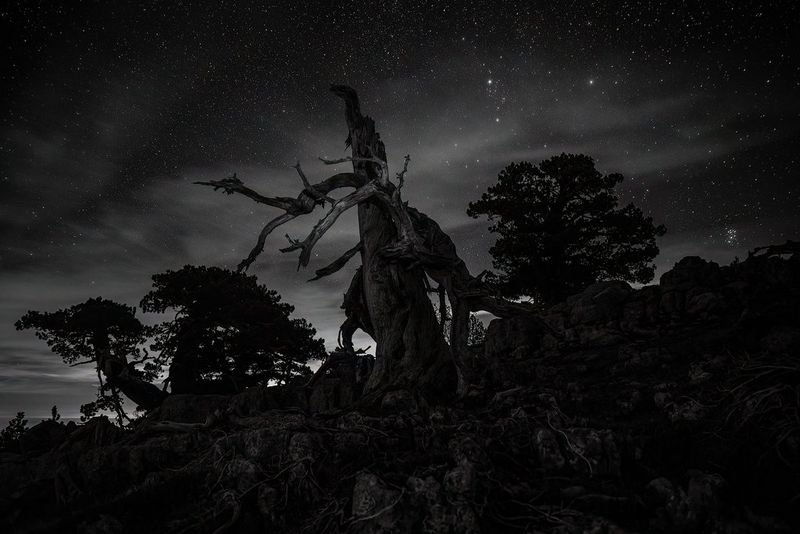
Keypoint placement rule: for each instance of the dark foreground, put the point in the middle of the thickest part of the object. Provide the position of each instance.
(673, 408)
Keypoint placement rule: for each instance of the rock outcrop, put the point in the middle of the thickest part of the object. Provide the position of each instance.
(670, 408)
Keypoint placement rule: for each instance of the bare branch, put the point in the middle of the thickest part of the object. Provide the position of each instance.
(338, 264)
(339, 207)
(402, 174)
(234, 185)
(306, 201)
(294, 244)
(308, 188)
(262, 238)
(338, 181)
(383, 175)
(347, 159)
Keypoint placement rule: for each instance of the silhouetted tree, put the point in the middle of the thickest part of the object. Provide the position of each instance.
(228, 329)
(10, 435)
(560, 229)
(109, 335)
(398, 246)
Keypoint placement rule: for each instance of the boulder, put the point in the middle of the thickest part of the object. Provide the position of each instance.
(548, 450)
(43, 437)
(189, 408)
(508, 335)
(599, 303)
(378, 508)
(689, 272)
(398, 402)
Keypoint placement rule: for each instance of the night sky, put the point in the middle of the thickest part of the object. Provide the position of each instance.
(111, 112)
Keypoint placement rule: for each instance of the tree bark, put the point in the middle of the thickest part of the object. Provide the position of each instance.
(411, 352)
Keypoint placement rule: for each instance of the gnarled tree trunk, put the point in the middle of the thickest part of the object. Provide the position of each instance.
(399, 247)
(411, 352)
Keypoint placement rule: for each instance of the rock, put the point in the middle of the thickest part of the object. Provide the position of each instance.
(703, 495)
(305, 446)
(693, 510)
(336, 390)
(399, 401)
(267, 502)
(698, 375)
(548, 450)
(688, 410)
(378, 508)
(660, 492)
(569, 427)
(257, 444)
(426, 496)
(466, 449)
(704, 304)
(599, 303)
(641, 309)
(15, 472)
(596, 336)
(629, 402)
(781, 339)
(691, 271)
(507, 335)
(511, 350)
(573, 492)
(424, 491)
(239, 473)
(258, 399)
(43, 437)
(105, 524)
(691, 278)
(593, 451)
(186, 408)
(661, 399)
(460, 482)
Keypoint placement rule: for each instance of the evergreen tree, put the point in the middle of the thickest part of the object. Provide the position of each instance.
(10, 435)
(560, 229)
(227, 329)
(109, 335)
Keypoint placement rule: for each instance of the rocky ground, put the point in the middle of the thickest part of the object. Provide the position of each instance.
(672, 408)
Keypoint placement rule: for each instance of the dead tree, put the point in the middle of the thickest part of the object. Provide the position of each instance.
(388, 297)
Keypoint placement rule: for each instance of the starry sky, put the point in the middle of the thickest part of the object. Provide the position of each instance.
(113, 109)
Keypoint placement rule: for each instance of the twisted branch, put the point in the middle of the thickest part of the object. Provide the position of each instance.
(233, 185)
(311, 196)
(338, 263)
(308, 188)
(262, 238)
(340, 206)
